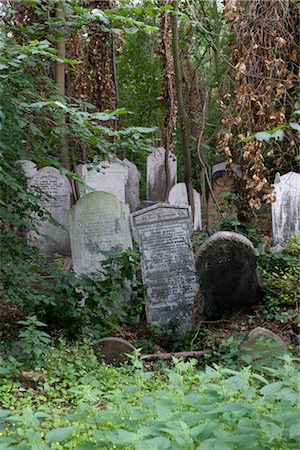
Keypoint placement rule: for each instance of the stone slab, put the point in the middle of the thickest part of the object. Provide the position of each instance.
(113, 350)
(286, 208)
(106, 176)
(98, 222)
(263, 347)
(50, 237)
(156, 174)
(29, 167)
(132, 188)
(178, 196)
(226, 268)
(162, 232)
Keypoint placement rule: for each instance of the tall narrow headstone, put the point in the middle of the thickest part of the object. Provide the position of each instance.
(132, 188)
(162, 232)
(156, 174)
(107, 176)
(286, 208)
(29, 167)
(178, 196)
(50, 237)
(226, 268)
(98, 222)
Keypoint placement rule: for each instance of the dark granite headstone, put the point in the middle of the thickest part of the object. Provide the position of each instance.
(226, 269)
(113, 350)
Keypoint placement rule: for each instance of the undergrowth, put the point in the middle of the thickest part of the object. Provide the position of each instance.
(74, 402)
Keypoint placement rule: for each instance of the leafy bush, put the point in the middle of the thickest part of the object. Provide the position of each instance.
(79, 403)
(279, 275)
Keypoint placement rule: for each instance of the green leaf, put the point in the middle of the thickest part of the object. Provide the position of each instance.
(59, 434)
(295, 126)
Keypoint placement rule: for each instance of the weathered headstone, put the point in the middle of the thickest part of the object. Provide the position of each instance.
(222, 167)
(178, 196)
(113, 350)
(222, 182)
(50, 237)
(156, 174)
(29, 167)
(168, 269)
(286, 208)
(226, 268)
(107, 176)
(263, 347)
(98, 222)
(132, 188)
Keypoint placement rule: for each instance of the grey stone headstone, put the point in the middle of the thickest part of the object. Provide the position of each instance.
(178, 196)
(222, 167)
(226, 268)
(156, 174)
(51, 238)
(29, 167)
(132, 188)
(286, 208)
(162, 232)
(113, 350)
(263, 347)
(107, 176)
(98, 222)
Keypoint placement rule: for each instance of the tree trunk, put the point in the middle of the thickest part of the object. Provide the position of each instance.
(60, 79)
(184, 122)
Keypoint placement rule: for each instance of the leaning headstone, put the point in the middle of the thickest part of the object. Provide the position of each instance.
(226, 268)
(286, 208)
(28, 167)
(263, 347)
(178, 196)
(162, 232)
(113, 350)
(156, 174)
(132, 188)
(50, 237)
(217, 207)
(222, 167)
(106, 176)
(99, 223)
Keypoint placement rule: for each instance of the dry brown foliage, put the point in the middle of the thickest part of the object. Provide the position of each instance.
(264, 54)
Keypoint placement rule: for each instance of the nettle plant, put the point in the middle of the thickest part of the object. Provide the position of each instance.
(132, 407)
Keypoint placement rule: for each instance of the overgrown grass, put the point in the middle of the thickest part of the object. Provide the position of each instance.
(74, 402)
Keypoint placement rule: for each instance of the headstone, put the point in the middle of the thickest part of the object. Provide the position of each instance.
(222, 167)
(98, 222)
(263, 347)
(178, 196)
(113, 350)
(222, 182)
(53, 238)
(132, 188)
(156, 174)
(107, 176)
(286, 208)
(226, 268)
(29, 167)
(162, 232)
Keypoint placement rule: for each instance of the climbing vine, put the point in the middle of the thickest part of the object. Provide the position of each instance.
(264, 56)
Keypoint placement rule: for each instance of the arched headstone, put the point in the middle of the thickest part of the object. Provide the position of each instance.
(106, 176)
(50, 237)
(178, 196)
(98, 222)
(226, 269)
(29, 167)
(286, 208)
(113, 350)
